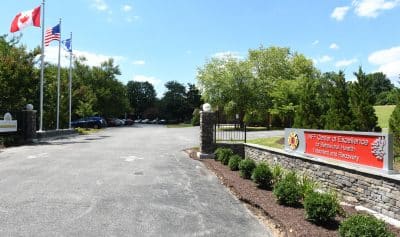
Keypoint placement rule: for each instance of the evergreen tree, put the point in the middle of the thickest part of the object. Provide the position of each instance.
(394, 128)
(308, 113)
(338, 116)
(361, 103)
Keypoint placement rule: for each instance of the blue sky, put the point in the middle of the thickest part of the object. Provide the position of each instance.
(163, 40)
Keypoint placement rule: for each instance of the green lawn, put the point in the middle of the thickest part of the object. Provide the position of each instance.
(275, 142)
(383, 113)
(180, 125)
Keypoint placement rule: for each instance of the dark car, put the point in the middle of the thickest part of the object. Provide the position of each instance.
(90, 122)
(128, 121)
(114, 122)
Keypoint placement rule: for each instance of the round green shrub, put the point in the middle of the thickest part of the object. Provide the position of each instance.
(307, 185)
(262, 175)
(321, 207)
(226, 156)
(288, 190)
(234, 162)
(223, 155)
(246, 168)
(363, 225)
(277, 173)
(218, 152)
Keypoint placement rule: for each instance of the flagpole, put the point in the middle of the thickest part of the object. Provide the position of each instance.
(70, 81)
(58, 80)
(42, 72)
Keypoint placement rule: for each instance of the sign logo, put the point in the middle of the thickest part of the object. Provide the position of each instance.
(293, 141)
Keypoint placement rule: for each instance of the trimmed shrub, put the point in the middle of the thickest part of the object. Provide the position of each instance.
(234, 162)
(307, 185)
(288, 190)
(262, 175)
(223, 155)
(226, 156)
(321, 207)
(277, 173)
(363, 225)
(246, 168)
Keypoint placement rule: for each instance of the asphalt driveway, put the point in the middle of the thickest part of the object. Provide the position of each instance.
(131, 181)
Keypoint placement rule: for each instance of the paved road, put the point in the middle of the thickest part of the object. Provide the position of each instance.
(133, 181)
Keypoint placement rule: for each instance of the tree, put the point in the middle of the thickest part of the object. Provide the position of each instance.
(173, 103)
(112, 100)
(277, 71)
(338, 116)
(379, 84)
(361, 103)
(141, 95)
(193, 97)
(308, 114)
(18, 78)
(229, 85)
(394, 128)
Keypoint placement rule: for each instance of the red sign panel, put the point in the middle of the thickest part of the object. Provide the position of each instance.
(359, 149)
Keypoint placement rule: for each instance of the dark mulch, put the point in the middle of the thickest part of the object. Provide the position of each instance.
(289, 221)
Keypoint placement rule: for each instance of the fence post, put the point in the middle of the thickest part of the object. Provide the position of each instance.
(207, 120)
(245, 133)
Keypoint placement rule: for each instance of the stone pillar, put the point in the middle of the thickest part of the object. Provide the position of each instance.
(29, 125)
(207, 120)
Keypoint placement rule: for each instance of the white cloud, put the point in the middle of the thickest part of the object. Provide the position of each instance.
(315, 42)
(92, 59)
(227, 55)
(325, 59)
(334, 46)
(126, 8)
(339, 13)
(100, 5)
(388, 61)
(372, 8)
(345, 62)
(151, 80)
(139, 62)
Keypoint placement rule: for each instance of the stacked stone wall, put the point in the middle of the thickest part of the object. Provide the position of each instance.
(379, 192)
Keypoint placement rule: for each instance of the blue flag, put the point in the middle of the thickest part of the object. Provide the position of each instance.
(67, 44)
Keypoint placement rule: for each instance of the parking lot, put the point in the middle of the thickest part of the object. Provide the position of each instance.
(123, 181)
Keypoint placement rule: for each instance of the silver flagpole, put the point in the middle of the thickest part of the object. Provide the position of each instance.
(42, 72)
(58, 80)
(70, 81)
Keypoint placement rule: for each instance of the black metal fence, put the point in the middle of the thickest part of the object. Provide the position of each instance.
(230, 133)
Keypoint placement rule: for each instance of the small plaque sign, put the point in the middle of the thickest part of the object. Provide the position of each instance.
(7, 124)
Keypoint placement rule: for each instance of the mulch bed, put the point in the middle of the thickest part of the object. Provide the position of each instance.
(285, 221)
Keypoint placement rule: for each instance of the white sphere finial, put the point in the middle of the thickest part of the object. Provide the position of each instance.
(29, 107)
(206, 107)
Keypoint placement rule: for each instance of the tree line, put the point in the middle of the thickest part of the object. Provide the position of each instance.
(276, 87)
(95, 90)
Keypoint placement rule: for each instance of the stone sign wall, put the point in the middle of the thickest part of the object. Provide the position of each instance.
(378, 191)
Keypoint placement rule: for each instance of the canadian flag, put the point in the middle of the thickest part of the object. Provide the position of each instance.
(26, 18)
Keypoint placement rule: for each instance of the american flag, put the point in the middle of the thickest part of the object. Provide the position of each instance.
(52, 33)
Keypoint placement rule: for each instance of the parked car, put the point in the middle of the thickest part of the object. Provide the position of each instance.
(128, 121)
(114, 122)
(145, 121)
(90, 122)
